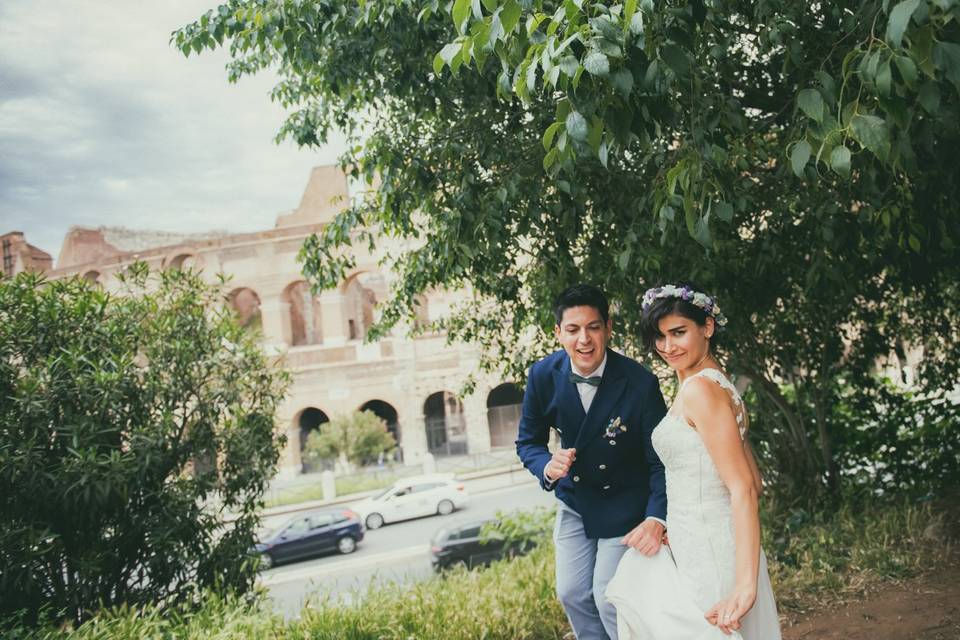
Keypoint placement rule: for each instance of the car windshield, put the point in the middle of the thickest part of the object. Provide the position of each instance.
(382, 493)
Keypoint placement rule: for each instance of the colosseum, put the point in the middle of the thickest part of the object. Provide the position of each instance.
(410, 382)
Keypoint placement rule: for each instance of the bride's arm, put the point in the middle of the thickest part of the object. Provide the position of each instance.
(707, 405)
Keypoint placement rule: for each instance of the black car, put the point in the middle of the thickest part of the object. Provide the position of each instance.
(461, 545)
(311, 534)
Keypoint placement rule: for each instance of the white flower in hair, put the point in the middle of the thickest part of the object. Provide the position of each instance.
(696, 298)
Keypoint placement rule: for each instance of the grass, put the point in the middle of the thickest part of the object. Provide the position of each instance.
(345, 486)
(813, 559)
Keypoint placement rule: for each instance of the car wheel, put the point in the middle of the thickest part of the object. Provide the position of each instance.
(445, 507)
(266, 562)
(346, 545)
(374, 521)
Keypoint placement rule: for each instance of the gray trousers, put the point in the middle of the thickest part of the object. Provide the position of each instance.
(584, 567)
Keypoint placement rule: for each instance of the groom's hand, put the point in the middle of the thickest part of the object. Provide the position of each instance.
(645, 537)
(559, 464)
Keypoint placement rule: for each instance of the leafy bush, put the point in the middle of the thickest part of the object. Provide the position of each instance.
(359, 437)
(130, 425)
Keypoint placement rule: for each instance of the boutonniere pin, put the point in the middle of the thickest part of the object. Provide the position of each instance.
(614, 428)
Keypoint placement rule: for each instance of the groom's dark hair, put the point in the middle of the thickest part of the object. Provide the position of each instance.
(581, 295)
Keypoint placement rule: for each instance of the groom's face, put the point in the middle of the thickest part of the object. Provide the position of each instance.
(584, 336)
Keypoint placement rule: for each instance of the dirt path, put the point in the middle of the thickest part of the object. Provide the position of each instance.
(923, 608)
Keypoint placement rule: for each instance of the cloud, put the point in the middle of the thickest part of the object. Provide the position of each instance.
(102, 122)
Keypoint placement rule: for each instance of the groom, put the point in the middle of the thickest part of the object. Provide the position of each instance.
(607, 477)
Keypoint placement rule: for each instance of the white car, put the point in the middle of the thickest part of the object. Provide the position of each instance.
(411, 498)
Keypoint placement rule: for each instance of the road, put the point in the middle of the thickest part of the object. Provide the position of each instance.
(396, 552)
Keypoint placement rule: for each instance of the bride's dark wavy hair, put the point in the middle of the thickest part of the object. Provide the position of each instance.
(662, 307)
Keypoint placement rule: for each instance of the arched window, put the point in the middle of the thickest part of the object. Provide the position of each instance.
(246, 303)
(92, 276)
(504, 405)
(310, 419)
(445, 424)
(305, 321)
(361, 294)
(182, 261)
(386, 412)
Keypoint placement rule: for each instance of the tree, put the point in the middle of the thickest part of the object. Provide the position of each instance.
(131, 427)
(794, 158)
(359, 438)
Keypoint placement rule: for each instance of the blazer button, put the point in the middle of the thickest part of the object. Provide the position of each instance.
(602, 467)
(612, 442)
(576, 478)
(606, 486)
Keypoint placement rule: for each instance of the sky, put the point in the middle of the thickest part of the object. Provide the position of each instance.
(104, 123)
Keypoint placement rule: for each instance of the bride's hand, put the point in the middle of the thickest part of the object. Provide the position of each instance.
(727, 613)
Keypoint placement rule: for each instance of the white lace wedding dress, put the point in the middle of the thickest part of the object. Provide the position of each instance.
(664, 597)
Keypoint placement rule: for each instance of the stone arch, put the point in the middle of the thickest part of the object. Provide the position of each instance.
(445, 424)
(361, 293)
(93, 276)
(183, 260)
(504, 405)
(305, 320)
(308, 420)
(386, 412)
(246, 303)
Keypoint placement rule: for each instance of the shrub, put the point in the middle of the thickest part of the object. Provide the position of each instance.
(123, 420)
(359, 437)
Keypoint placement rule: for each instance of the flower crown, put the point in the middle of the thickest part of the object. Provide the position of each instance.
(695, 298)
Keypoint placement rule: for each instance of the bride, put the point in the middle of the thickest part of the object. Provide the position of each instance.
(709, 579)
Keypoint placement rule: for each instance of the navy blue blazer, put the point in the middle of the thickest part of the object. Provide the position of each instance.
(616, 480)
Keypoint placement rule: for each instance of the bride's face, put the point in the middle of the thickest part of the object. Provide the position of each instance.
(683, 343)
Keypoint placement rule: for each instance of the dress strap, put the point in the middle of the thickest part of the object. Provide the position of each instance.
(717, 376)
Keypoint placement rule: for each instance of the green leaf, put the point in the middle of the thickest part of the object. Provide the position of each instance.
(899, 19)
(811, 103)
(510, 15)
(884, 79)
(840, 160)
(623, 81)
(676, 59)
(907, 68)
(623, 260)
(596, 64)
(551, 158)
(577, 126)
(549, 135)
(873, 134)
(629, 8)
(448, 53)
(799, 156)
(929, 97)
(460, 12)
(701, 231)
(724, 211)
(438, 63)
(595, 136)
(946, 56)
(569, 65)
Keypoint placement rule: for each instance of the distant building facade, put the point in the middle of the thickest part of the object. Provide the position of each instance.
(18, 255)
(409, 382)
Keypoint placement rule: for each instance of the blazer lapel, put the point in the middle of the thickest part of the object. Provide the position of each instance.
(568, 400)
(608, 394)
